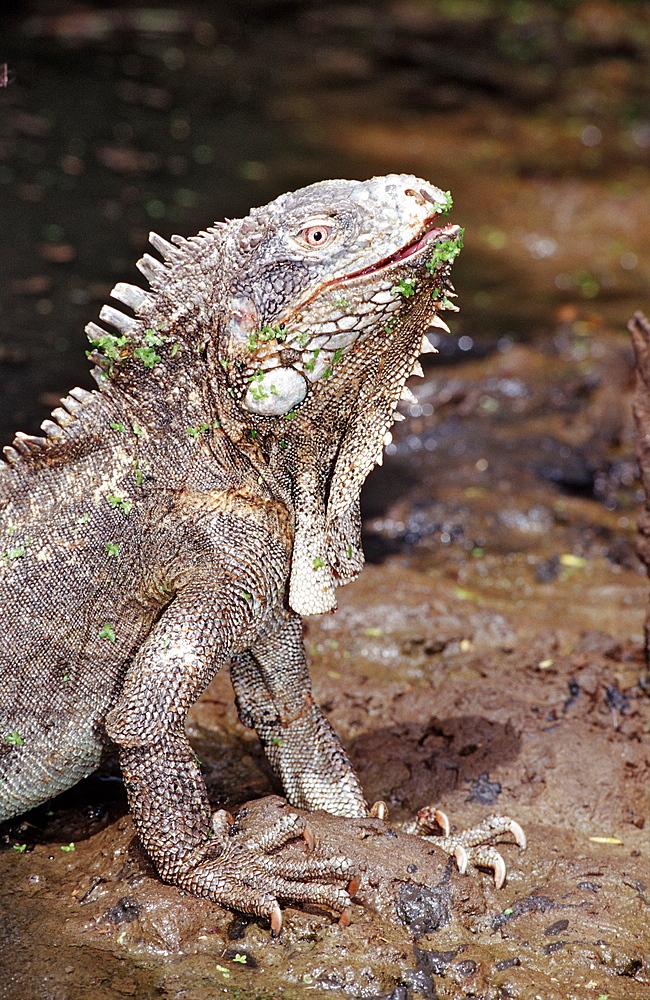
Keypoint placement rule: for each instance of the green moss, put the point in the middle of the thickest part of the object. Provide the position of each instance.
(153, 339)
(109, 344)
(121, 502)
(445, 253)
(147, 356)
(444, 206)
(196, 432)
(14, 553)
(405, 287)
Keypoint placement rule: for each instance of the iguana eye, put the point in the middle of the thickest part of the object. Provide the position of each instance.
(318, 235)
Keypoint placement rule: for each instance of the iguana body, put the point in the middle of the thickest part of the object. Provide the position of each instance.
(187, 512)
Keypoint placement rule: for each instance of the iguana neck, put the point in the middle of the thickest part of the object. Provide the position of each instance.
(319, 458)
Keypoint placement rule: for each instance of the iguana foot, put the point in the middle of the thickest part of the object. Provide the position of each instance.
(471, 846)
(241, 870)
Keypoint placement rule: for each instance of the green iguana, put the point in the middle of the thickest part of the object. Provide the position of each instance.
(189, 510)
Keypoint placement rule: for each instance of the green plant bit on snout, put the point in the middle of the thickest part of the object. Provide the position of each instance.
(446, 252)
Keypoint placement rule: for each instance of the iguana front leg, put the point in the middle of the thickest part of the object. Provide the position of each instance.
(167, 795)
(273, 690)
(274, 697)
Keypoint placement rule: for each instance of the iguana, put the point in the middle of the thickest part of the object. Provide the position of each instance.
(193, 507)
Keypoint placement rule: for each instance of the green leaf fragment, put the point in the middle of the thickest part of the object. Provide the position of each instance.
(20, 847)
(349, 551)
(117, 426)
(153, 339)
(174, 351)
(14, 739)
(137, 430)
(68, 847)
(147, 356)
(196, 432)
(123, 503)
(445, 205)
(14, 553)
(240, 958)
(109, 344)
(318, 562)
(112, 548)
(445, 253)
(107, 632)
(405, 287)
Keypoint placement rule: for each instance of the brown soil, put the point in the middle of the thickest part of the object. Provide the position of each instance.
(491, 665)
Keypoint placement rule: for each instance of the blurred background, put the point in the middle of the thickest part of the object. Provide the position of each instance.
(118, 118)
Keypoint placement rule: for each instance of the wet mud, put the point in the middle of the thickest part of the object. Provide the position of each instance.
(490, 658)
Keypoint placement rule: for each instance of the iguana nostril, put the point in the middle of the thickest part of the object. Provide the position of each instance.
(419, 196)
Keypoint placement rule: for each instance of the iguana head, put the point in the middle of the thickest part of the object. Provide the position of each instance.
(314, 274)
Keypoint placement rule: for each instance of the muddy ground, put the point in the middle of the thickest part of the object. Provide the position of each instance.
(490, 657)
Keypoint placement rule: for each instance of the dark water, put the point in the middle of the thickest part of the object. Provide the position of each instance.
(122, 119)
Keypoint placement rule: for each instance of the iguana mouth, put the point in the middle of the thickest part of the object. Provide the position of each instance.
(433, 233)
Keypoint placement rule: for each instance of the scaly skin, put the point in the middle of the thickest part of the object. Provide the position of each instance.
(192, 508)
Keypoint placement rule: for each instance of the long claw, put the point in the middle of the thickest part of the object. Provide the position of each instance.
(442, 821)
(344, 919)
(518, 834)
(379, 810)
(499, 872)
(276, 920)
(221, 822)
(429, 818)
(353, 885)
(308, 837)
(461, 858)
